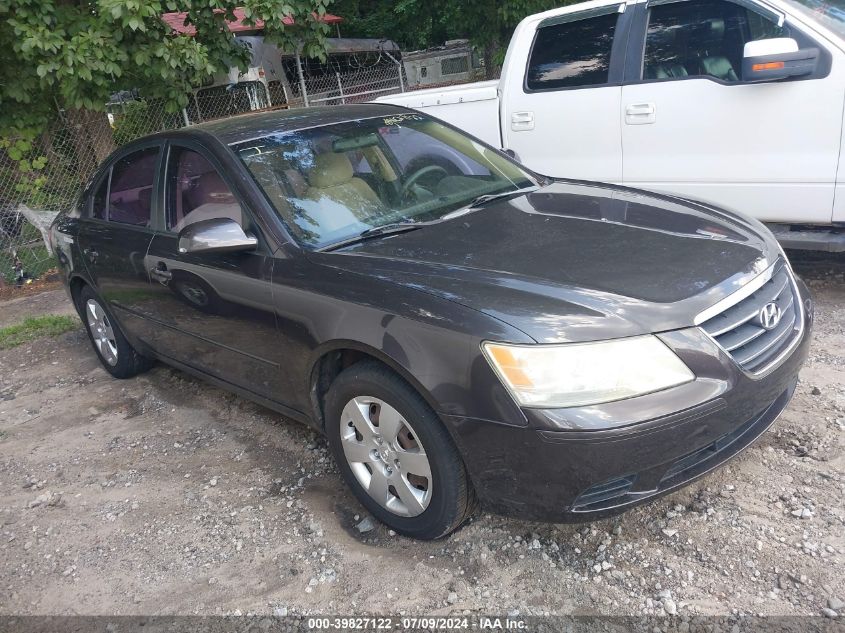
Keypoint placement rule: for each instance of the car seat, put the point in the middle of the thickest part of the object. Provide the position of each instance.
(714, 63)
(333, 178)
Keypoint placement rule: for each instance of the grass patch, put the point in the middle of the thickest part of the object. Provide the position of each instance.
(36, 327)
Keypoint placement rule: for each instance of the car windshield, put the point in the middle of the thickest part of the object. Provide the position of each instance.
(829, 13)
(331, 184)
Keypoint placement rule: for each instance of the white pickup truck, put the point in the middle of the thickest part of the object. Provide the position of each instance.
(738, 103)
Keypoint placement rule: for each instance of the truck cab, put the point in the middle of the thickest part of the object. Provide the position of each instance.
(737, 103)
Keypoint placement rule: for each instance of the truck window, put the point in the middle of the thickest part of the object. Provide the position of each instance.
(572, 54)
(702, 38)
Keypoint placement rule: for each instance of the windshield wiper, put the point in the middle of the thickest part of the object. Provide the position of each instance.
(393, 227)
(376, 231)
(481, 200)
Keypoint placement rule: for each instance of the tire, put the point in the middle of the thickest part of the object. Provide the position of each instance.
(116, 355)
(377, 402)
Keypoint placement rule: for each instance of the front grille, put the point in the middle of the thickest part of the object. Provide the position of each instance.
(739, 329)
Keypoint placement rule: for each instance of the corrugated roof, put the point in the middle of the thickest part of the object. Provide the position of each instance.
(177, 22)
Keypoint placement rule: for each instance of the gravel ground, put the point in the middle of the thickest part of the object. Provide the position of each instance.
(163, 495)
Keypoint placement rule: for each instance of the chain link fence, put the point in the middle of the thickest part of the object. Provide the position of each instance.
(41, 177)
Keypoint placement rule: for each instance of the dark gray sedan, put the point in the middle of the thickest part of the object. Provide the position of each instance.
(460, 328)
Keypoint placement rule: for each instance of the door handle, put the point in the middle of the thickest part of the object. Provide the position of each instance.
(640, 113)
(161, 273)
(522, 121)
(640, 108)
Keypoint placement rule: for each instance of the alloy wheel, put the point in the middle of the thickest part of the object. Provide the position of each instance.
(386, 456)
(101, 331)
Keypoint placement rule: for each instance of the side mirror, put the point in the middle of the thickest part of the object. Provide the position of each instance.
(218, 235)
(776, 59)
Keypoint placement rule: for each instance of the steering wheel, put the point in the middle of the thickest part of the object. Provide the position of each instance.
(412, 180)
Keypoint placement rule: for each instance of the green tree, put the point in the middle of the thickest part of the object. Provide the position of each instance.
(412, 26)
(71, 55)
(489, 24)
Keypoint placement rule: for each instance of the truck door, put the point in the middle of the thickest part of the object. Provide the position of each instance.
(693, 127)
(560, 114)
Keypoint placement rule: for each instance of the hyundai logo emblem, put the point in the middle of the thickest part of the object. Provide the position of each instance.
(770, 315)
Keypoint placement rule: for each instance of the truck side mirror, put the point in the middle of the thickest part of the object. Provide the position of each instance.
(776, 59)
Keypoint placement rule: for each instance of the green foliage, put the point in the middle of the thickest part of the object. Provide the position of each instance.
(134, 119)
(71, 55)
(28, 174)
(77, 53)
(36, 327)
(412, 25)
(489, 24)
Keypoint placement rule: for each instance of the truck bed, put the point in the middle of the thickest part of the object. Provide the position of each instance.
(473, 107)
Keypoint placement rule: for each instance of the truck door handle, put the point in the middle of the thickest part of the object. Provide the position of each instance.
(161, 273)
(522, 121)
(640, 113)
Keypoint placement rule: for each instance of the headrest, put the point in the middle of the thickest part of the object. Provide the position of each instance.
(330, 170)
(717, 27)
(145, 197)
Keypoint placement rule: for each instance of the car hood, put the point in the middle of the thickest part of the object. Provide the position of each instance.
(576, 261)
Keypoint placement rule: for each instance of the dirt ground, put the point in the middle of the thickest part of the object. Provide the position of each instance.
(163, 495)
(19, 303)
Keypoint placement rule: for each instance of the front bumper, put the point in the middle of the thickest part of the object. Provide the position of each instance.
(586, 463)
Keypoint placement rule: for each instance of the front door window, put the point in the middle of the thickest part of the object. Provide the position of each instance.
(197, 191)
(703, 38)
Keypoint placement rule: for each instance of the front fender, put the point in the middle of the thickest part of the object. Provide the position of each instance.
(433, 343)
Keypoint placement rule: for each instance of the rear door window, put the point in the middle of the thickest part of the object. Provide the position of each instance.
(131, 188)
(572, 54)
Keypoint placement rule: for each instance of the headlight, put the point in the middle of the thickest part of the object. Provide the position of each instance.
(578, 374)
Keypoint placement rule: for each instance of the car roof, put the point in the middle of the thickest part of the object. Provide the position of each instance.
(254, 125)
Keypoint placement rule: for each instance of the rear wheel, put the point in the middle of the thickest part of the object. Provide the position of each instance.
(118, 357)
(395, 454)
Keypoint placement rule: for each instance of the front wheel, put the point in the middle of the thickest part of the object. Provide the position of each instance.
(395, 454)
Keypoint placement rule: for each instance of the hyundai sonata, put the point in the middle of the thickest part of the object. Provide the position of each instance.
(460, 328)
